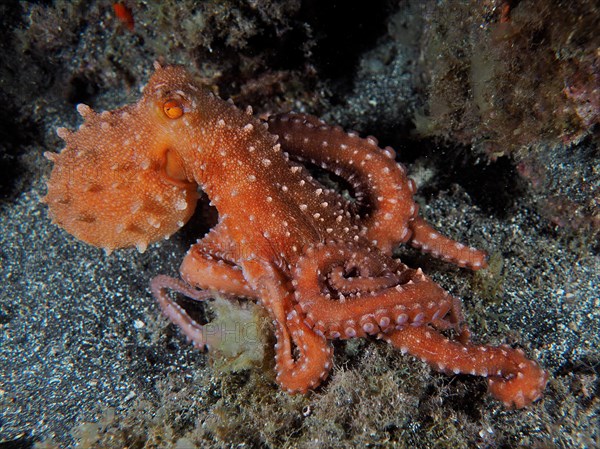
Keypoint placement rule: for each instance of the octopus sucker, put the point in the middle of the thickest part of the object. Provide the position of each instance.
(319, 263)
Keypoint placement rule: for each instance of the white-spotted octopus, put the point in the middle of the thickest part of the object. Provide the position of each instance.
(320, 263)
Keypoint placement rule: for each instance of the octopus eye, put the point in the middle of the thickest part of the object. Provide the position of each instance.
(173, 109)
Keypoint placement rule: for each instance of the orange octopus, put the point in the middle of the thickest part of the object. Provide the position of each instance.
(320, 263)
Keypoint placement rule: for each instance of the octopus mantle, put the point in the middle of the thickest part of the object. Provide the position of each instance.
(319, 263)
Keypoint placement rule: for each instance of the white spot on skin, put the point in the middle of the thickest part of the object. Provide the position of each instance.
(135, 207)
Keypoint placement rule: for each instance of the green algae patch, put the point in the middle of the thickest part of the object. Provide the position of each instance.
(237, 335)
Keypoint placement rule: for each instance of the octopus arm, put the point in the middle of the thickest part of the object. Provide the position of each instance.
(303, 358)
(429, 240)
(381, 187)
(383, 191)
(177, 314)
(512, 378)
(209, 265)
(212, 264)
(360, 292)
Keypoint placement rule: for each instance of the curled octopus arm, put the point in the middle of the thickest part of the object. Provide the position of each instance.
(381, 186)
(207, 267)
(347, 291)
(303, 358)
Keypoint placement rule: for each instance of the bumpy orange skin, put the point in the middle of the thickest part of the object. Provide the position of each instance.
(320, 264)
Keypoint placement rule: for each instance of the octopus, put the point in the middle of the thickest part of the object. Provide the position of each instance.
(319, 262)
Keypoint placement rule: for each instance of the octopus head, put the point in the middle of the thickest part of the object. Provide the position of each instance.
(121, 180)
